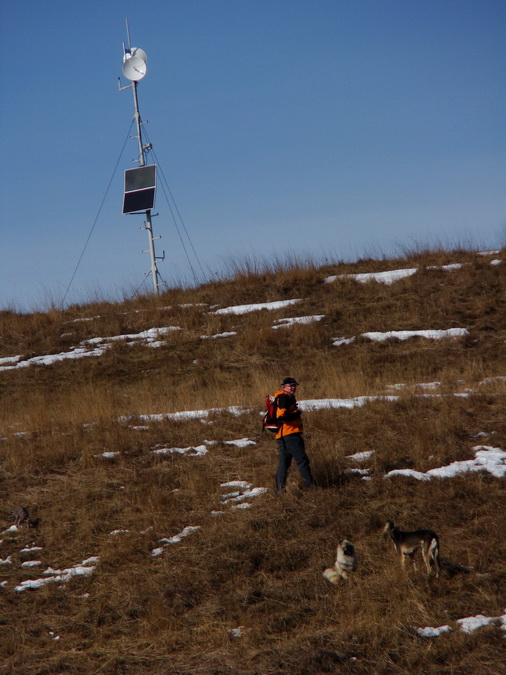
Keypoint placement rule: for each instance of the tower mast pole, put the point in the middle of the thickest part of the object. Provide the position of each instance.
(148, 224)
(134, 69)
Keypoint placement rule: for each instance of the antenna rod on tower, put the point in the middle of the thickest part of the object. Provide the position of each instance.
(128, 34)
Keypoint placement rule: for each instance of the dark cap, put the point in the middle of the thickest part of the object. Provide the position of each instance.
(289, 380)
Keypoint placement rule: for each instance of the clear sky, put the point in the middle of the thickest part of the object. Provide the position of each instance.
(341, 128)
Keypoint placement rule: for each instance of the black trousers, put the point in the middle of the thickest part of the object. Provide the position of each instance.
(292, 447)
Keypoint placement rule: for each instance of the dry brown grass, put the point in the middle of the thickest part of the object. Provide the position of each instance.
(258, 568)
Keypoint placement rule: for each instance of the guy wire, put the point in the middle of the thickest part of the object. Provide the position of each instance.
(166, 185)
(97, 216)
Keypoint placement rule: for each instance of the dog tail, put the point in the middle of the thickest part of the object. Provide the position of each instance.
(434, 554)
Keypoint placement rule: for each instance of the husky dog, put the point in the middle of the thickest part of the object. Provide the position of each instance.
(408, 543)
(346, 562)
(21, 516)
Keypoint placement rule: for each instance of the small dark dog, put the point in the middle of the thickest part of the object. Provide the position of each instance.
(21, 517)
(408, 543)
(346, 562)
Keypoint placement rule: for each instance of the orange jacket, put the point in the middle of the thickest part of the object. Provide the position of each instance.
(288, 414)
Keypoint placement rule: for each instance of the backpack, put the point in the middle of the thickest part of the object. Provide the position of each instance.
(270, 421)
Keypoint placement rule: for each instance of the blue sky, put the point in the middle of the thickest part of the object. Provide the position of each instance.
(308, 127)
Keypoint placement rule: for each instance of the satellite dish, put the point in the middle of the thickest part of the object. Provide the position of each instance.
(134, 67)
(137, 51)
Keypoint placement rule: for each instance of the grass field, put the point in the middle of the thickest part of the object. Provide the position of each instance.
(132, 431)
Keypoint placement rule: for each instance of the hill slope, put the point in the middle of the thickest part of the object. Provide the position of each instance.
(133, 432)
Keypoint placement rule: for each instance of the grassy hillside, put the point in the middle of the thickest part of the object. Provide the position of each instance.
(146, 561)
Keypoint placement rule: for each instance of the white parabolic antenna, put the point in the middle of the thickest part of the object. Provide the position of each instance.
(134, 65)
(137, 51)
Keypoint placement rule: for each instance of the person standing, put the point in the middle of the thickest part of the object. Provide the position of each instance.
(289, 436)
